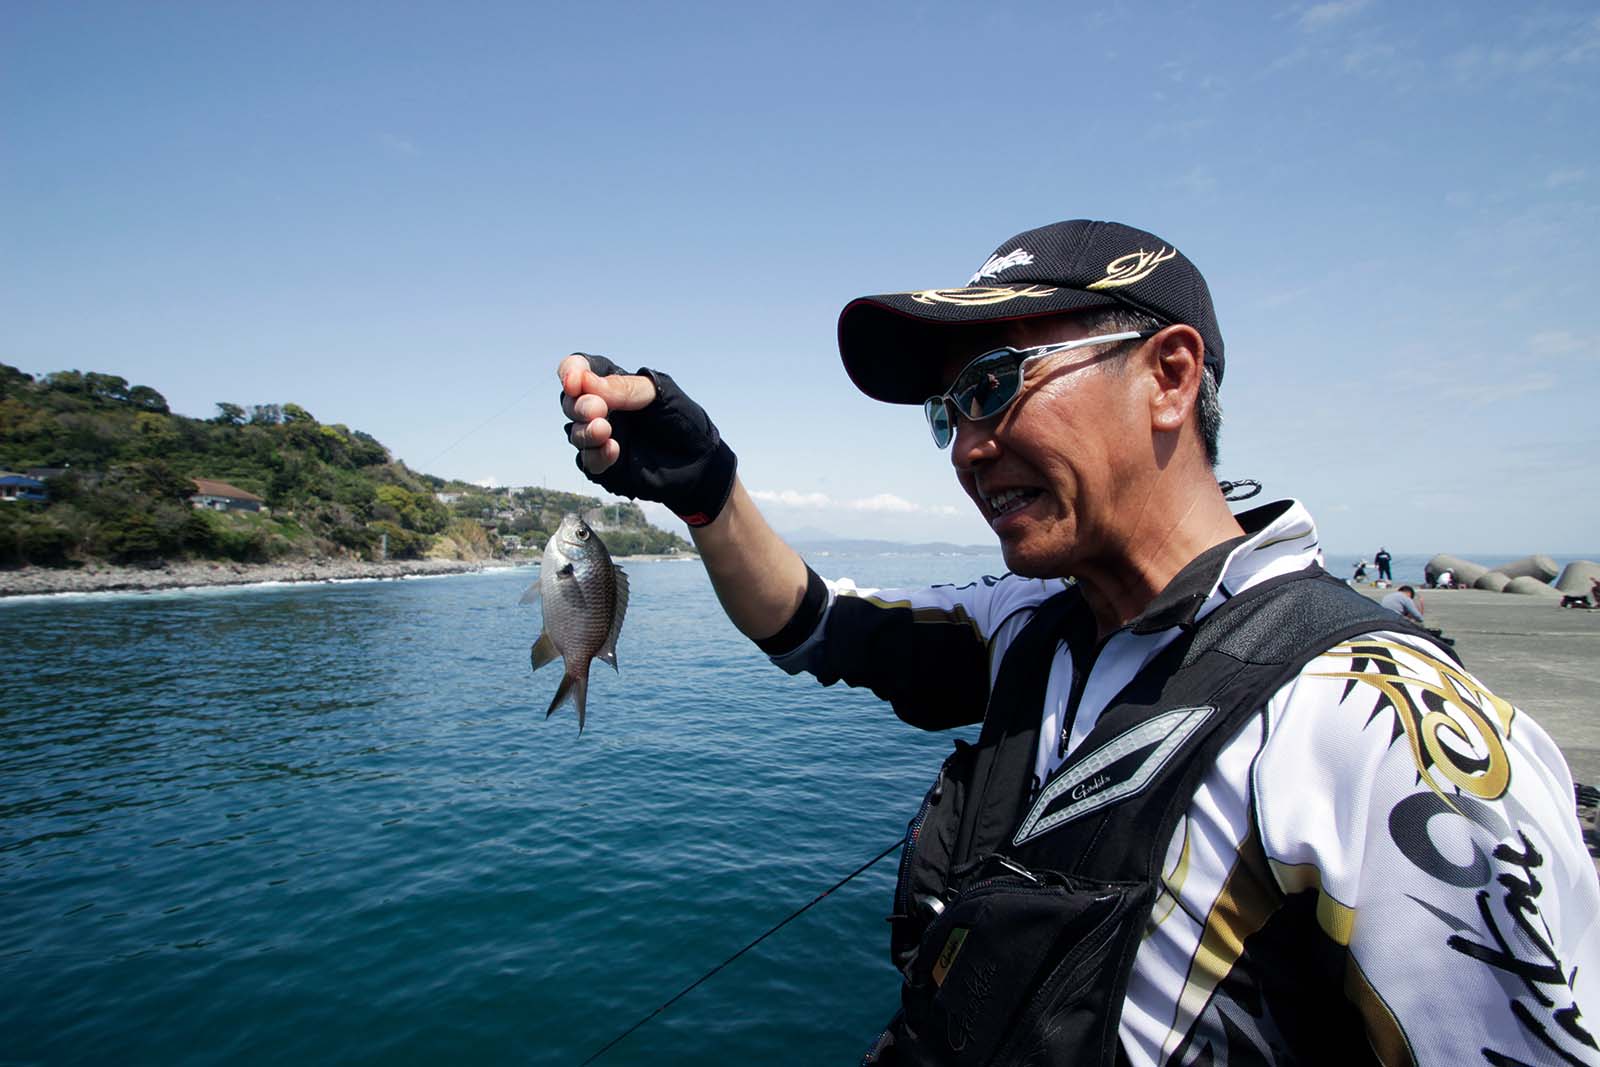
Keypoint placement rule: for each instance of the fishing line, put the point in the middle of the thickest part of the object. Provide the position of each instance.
(480, 426)
(791, 917)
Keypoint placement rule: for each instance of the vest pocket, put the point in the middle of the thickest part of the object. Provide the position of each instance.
(924, 880)
(1019, 963)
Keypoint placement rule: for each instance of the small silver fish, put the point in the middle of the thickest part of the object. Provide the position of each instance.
(583, 596)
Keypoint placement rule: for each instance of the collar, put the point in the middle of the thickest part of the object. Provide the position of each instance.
(1279, 537)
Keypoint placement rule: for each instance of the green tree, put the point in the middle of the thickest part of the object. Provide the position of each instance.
(14, 382)
(366, 450)
(229, 414)
(142, 396)
(105, 386)
(65, 381)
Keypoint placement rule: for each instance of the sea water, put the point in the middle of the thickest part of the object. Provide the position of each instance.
(331, 824)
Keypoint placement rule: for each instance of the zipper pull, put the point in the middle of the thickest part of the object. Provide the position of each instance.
(1017, 868)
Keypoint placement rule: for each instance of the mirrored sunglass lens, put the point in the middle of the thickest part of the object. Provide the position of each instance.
(987, 385)
(938, 414)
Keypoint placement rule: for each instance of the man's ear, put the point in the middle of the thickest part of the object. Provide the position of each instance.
(1176, 361)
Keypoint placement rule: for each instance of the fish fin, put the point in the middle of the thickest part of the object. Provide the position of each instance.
(530, 595)
(608, 651)
(544, 650)
(574, 687)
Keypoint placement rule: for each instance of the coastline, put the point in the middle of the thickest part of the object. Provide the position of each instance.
(201, 574)
(109, 578)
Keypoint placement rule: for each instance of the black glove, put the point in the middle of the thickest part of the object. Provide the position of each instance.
(671, 451)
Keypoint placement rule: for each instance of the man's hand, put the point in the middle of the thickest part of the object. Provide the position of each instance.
(639, 435)
(587, 399)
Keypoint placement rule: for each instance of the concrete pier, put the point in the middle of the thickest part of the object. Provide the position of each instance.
(1543, 658)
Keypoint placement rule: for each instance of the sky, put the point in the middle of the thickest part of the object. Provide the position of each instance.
(401, 216)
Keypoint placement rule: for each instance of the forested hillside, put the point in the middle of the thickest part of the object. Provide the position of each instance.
(117, 466)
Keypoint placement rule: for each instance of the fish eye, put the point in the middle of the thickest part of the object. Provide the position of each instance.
(583, 533)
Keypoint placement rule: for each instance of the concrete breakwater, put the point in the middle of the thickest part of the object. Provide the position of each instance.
(1535, 575)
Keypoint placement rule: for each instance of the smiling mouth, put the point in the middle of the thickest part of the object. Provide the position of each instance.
(1009, 500)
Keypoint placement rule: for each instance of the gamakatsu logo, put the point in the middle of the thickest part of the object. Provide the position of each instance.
(996, 263)
(978, 295)
(1115, 771)
(1133, 267)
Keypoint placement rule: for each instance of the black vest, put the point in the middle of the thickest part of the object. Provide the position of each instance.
(1019, 910)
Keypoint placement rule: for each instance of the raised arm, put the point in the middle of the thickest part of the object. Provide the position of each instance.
(639, 435)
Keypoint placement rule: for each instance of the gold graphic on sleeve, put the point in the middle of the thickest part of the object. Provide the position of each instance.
(1133, 267)
(980, 295)
(1428, 712)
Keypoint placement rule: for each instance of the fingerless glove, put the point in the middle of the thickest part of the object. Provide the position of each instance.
(671, 451)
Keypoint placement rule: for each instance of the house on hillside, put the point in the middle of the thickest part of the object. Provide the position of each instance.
(220, 496)
(15, 486)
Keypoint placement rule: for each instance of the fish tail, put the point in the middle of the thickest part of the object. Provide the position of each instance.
(574, 687)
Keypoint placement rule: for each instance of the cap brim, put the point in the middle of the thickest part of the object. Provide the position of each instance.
(893, 344)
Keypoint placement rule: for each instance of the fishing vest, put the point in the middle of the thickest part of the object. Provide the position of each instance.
(1019, 909)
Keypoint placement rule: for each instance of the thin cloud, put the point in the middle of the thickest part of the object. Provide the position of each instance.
(790, 498)
(1371, 59)
(396, 145)
(1556, 179)
(882, 502)
(1317, 16)
(1292, 60)
(1557, 46)
(1565, 344)
(1485, 394)
(1198, 181)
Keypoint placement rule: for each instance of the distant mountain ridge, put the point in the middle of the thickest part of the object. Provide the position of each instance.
(871, 546)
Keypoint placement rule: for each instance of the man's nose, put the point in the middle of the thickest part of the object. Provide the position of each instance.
(974, 443)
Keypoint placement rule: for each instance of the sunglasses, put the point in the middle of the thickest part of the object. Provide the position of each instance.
(987, 386)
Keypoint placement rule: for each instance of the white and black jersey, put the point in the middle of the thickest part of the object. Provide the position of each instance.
(1383, 815)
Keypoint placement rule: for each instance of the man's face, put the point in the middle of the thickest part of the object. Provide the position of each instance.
(1058, 474)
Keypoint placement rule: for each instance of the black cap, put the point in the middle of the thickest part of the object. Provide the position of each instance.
(1066, 266)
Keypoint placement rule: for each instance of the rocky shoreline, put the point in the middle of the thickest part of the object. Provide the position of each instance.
(105, 577)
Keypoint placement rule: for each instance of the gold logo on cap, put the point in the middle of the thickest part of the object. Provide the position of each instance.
(979, 295)
(1133, 267)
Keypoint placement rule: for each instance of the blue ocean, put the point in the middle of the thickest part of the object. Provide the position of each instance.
(331, 824)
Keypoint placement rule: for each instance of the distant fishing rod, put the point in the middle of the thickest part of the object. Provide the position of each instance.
(785, 922)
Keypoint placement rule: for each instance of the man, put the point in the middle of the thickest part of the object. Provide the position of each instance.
(1383, 559)
(1403, 602)
(1222, 808)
